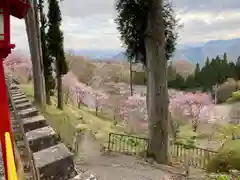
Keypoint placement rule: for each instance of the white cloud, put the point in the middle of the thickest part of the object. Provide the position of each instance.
(90, 24)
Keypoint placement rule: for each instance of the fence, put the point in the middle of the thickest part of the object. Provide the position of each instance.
(126, 144)
(193, 156)
(182, 153)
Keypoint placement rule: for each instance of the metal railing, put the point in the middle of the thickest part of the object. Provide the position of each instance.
(126, 144)
(181, 153)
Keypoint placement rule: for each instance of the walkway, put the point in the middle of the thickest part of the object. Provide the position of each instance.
(122, 167)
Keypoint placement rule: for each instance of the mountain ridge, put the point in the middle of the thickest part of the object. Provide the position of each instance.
(196, 53)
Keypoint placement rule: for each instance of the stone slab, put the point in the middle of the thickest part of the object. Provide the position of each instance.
(17, 94)
(41, 138)
(55, 162)
(14, 87)
(22, 100)
(23, 106)
(19, 97)
(32, 123)
(16, 91)
(29, 112)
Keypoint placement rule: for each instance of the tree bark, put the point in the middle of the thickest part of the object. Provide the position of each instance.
(157, 85)
(59, 92)
(131, 76)
(48, 95)
(30, 22)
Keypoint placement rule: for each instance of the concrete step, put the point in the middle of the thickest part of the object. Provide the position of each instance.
(17, 94)
(16, 91)
(14, 87)
(34, 122)
(55, 162)
(19, 97)
(29, 112)
(23, 106)
(41, 138)
(20, 101)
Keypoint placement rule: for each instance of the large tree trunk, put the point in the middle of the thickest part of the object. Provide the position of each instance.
(157, 85)
(31, 28)
(131, 78)
(59, 92)
(48, 94)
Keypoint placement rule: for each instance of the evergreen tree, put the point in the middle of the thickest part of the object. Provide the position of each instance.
(55, 45)
(132, 25)
(177, 83)
(237, 69)
(144, 28)
(225, 57)
(47, 60)
(197, 75)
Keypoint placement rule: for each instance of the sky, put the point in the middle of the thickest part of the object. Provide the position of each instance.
(90, 24)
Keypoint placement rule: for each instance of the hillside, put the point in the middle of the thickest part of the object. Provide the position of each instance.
(97, 73)
(183, 67)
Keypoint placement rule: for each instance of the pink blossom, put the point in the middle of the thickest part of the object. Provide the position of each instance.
(195, 106)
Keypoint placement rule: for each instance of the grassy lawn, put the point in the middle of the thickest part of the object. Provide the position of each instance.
(71, 120)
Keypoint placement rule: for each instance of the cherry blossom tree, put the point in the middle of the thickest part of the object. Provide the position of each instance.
(196, 106)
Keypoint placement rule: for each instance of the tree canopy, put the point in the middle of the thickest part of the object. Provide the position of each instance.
(215, 71)
(132, 24)
(55, 37)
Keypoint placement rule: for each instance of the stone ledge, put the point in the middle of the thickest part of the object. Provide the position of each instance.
(32, 123)
(29, 112)
(23, 106)
(17, 94)
(20, 101)
(19, 97)
(41, 138)
(55, 162)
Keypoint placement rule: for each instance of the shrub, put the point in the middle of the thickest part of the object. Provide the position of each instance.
(235, 97)
(224, 92)
(227, 158)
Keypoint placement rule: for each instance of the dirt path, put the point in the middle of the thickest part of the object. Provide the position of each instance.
(122, 167)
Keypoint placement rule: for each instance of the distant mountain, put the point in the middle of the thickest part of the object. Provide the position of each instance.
(120, 56)
(198, 53)
(210, 49)
(96, 54)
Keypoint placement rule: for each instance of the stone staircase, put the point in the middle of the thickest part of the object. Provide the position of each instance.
(51, 158)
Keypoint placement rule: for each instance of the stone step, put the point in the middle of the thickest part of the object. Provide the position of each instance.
(41, 138)
(17, 94)
(19, 97)
(29, 112)
(20, 101)
(16, 91)
(55, 162)
(14, 87)
(23, 106)
(34, 122)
